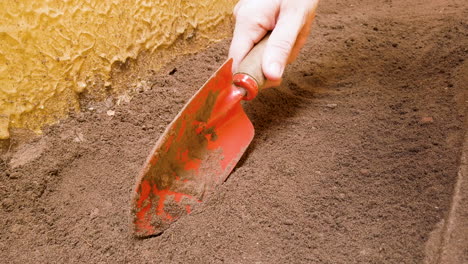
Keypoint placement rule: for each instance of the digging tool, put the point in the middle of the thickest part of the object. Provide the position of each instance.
(199, 149)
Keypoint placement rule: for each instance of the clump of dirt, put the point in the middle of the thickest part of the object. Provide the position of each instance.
(354, 158)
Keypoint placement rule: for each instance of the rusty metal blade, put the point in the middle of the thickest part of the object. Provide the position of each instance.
(195, 154)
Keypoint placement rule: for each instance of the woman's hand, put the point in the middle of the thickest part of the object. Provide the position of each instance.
(289, 21)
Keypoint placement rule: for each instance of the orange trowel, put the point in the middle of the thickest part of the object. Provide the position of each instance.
(199, 149)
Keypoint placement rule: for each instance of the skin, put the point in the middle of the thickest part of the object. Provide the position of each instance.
(289, 22)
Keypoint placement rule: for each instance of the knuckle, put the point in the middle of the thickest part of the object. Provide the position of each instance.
(262, 22)
(253, 23)
(236, 9)
(250, 17)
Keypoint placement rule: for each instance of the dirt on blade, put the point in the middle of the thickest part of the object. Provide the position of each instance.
(354, 159)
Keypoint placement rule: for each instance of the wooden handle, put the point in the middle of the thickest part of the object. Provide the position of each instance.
(252, 63)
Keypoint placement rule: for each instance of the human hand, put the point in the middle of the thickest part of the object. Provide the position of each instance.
(289, 21)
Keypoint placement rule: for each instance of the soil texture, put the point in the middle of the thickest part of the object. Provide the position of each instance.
(354, 160)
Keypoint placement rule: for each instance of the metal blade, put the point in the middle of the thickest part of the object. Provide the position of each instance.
(195, 154)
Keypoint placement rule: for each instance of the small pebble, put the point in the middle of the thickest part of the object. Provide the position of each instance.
(427, 120)
(8, 204)
(364, 171)
(94, 213)
(79, 137)
(16, 228)
(331, 106)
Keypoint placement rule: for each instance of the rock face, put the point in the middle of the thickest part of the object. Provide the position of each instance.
(51, 51)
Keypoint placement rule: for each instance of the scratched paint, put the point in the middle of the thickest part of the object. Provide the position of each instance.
(176, 166)
(195, 154)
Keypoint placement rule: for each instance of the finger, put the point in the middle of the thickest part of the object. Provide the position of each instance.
(300, 41)
(245, 36)
(251, 26)
(270, 83)
(236, 7)
(304, 33)
(280, 44)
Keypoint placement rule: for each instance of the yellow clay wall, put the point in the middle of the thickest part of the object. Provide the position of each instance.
(52, 50)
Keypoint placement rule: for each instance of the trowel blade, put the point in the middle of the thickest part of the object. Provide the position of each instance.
(195, 154)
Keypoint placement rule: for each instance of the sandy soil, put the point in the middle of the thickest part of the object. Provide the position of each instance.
(354, 158)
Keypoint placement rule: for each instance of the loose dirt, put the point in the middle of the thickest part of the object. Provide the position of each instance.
(354, 159)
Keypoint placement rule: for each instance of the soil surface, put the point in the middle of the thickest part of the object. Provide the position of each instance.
(354, 159)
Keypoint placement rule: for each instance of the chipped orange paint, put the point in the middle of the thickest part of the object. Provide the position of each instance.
(144, 209)
(188, 209)
(163, 194)
(196, 153)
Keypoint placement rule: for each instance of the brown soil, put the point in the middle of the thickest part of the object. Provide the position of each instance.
(354, 159)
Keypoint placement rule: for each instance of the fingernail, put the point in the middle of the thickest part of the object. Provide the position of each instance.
(276, 69)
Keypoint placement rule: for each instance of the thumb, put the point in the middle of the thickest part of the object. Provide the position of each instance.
(280, 44)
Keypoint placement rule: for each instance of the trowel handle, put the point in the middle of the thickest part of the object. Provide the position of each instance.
(249, 75)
